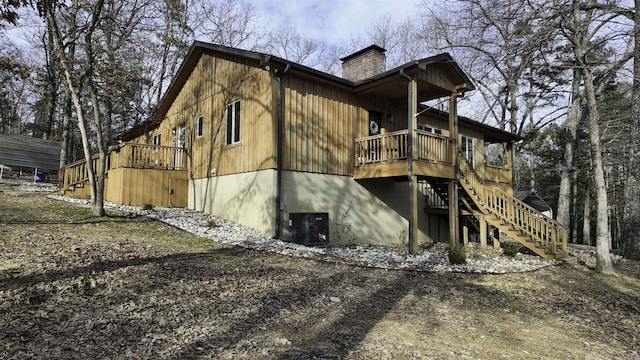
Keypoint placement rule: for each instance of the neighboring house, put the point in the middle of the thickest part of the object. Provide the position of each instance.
(23, 153)
(534, 200)
(310, 157)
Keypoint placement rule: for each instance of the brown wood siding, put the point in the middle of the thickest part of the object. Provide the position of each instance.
(435, 75)
(214, 83)
(155, 187)
(318, 127)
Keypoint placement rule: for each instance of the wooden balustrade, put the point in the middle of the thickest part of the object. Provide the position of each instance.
(393, 147)
(128, 156)
(433, 147)
(545, 231)
(151, 156)
(381, 148)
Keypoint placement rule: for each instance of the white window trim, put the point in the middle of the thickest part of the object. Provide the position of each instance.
(200, 126)
(235, 122)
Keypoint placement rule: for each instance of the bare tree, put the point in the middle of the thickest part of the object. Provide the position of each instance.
(226, 22)
(502, 44)
(73, 84)
(586, 33)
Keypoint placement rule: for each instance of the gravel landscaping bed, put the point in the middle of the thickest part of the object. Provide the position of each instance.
(434, 258)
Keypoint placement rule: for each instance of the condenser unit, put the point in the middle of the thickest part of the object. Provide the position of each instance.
(309, 228)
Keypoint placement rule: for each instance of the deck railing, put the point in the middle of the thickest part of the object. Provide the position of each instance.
(433, 147)
(76, 172)
(393, 147)
(547, 232)
(150, 156)
(127, 155)
(381, 148)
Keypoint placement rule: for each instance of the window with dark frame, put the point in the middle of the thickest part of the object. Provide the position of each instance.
(430, 129)
(157, 139)
(199, 126)
(233, 122)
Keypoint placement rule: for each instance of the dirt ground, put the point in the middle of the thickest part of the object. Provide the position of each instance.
(73, 286)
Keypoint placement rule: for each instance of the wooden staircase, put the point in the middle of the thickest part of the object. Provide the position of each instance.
(539, 233)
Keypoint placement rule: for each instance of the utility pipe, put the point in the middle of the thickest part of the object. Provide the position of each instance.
(279, 151)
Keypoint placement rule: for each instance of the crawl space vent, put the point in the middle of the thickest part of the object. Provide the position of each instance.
(309, 228)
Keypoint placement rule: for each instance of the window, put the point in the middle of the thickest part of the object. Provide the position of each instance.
(157, 139)
(467, 149)
(374, 123)
(233, 122)
(199, 126)
(430, 129)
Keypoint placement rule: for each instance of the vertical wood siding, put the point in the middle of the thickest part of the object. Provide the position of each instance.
(319, 127)
(214, 83)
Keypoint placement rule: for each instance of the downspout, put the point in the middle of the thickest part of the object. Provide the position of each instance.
(279, 150)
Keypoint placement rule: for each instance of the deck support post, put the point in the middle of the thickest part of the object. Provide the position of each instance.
(454, 213)
(454, 226)
(412, 107)
(496, 237)
(465, 234)
(414, 215)
(483, 231)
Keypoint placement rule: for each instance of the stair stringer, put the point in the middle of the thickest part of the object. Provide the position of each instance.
(540, 234)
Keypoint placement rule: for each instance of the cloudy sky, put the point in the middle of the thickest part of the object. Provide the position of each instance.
(331, 20)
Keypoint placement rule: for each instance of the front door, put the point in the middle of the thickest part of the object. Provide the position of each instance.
(466, 147)
(375, 120)
(181, 142)
(182, 135)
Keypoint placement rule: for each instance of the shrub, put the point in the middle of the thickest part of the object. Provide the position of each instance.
(457, 255)
(511, 248)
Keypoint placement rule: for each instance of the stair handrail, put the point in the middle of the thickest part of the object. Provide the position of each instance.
(515, 212)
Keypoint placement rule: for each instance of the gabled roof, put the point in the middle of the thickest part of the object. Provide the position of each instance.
(261, 59)
(533, 199)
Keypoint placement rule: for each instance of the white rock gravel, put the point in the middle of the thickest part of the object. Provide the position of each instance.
(30, 186)
(433, 259)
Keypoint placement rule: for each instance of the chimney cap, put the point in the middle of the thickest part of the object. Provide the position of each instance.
(371, 47)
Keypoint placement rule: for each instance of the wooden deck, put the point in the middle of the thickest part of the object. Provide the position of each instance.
(386, 155)
(136, 175)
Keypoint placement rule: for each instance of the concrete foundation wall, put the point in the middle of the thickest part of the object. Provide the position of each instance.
(360, 212)
(363, 212)
(246, 198)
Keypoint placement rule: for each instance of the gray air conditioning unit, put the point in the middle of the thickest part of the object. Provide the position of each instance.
(309, 228)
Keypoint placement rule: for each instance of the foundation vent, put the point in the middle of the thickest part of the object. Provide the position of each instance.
(309, 228)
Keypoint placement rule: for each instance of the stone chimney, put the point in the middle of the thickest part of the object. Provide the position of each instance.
(364, 64)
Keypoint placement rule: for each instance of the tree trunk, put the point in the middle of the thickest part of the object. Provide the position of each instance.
(568, 168)
(71, 88)
(603, 264)
(586, 225)
(631, 212)
(98, 189)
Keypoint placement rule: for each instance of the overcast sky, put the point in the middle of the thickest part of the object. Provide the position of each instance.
(333, 21)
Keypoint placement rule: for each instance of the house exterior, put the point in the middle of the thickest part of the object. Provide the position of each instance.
(310, 157)
(30, 154)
